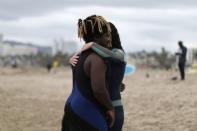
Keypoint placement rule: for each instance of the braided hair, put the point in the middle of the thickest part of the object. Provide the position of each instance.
(93, 26)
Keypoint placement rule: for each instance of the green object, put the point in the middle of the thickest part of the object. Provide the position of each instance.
(106, 53)
(116, 103)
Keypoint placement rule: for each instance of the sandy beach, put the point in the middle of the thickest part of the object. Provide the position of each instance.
(33, 100)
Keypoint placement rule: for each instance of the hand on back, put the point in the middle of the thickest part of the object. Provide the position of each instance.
(74, 59)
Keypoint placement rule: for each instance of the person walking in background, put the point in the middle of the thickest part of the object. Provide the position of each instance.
(182, 59)
(49, 66)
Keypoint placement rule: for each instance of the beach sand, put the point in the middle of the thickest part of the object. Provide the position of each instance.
(33, 100)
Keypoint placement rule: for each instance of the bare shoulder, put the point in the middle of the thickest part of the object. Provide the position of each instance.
(94, 63)
(95, 59)
(94, 56)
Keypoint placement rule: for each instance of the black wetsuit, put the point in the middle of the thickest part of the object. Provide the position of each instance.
(82, 111)
(116, 68)
(182, 61)
(115, 76)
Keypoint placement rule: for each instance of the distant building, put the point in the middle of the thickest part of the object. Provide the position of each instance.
(13, 48)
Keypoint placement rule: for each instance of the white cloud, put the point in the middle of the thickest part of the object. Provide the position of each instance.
(139, 28)
(15, 9)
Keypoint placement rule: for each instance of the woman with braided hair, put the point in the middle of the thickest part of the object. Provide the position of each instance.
(89, 107)
(116, 67)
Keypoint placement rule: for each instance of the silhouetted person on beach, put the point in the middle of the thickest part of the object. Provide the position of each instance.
(182, 59)
(49, 66)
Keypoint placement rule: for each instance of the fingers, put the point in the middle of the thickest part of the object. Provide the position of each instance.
(111, 117)
(122, 87)
(112, 120)
(73, 63)
(74, 59)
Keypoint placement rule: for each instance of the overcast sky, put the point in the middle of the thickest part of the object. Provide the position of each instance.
(142, 24)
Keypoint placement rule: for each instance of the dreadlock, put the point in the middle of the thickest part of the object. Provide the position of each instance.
(93, 26)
